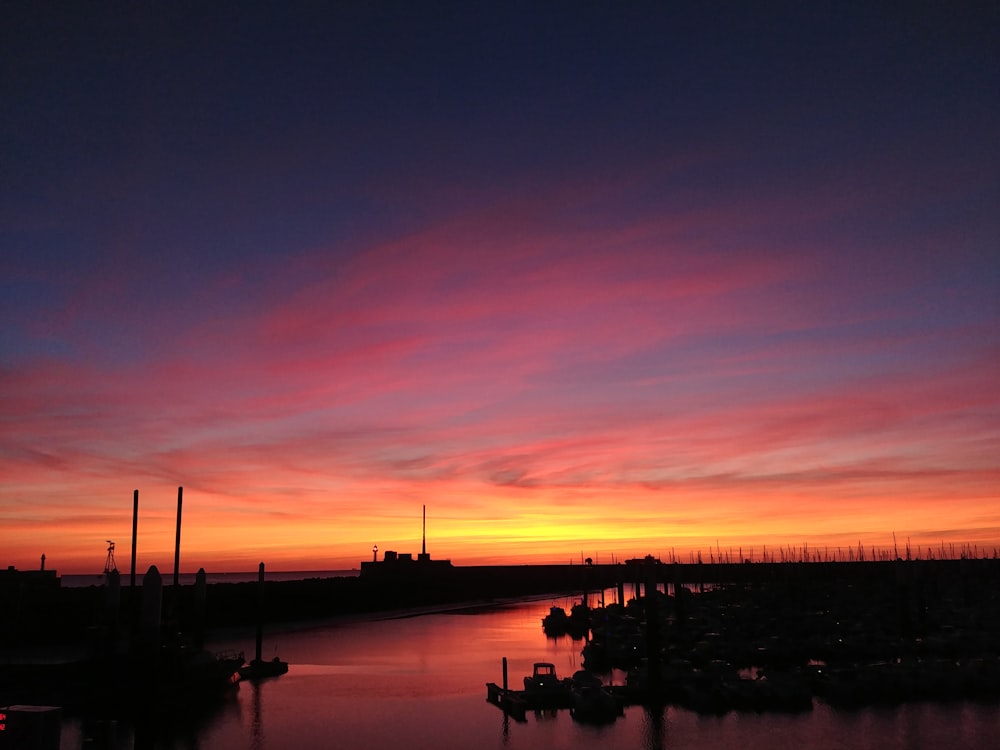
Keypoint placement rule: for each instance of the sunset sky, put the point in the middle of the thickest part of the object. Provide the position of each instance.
(601, 279)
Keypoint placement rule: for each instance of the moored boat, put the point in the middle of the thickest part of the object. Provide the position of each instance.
(544, 679)
(259, 669)
(592, 702)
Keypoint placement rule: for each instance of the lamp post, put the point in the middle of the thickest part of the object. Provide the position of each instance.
(374, 553)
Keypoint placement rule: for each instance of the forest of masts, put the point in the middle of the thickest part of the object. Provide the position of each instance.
(827, 554)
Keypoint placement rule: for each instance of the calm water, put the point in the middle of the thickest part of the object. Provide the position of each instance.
(419, 683)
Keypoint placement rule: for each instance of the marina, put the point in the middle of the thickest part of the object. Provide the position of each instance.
(584, 695)
(774, 639)
(527, 376)
(375, 678)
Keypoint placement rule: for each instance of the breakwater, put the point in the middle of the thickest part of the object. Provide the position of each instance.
(908, 592)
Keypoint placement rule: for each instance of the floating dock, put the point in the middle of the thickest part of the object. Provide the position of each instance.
(511, 701)
(517, 703)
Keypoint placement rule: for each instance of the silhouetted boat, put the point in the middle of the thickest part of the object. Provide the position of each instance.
(556, 622)
(200, 673)
(543, 679)
(259, 669)
(592, 703)
(576, 624)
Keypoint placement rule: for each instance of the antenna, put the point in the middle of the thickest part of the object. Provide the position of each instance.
(109, 562)
(423, 542)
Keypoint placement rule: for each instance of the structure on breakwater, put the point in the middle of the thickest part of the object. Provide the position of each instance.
(401, 565)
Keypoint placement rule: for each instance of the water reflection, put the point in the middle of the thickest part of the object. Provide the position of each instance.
(257, 740)
(653, 727)
(181, 729)
(420, 683)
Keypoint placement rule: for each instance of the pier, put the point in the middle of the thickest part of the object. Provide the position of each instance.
(518, 703)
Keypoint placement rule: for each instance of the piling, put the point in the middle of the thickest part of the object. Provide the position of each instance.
(112, 598)
(505, 674)
(652, 629)
(200, 601)
(679, 594)
(112, 606)
(135, 527)
(260, 612)
(177, 540)
(152, 602)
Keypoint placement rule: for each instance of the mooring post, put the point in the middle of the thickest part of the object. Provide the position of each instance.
(653, 629)
(112, 606)
(152, 593)
(260, 612)
(505, 674)
(177, 540)
(679, 594)
(135, 525)
(200, 607)
(112, 598)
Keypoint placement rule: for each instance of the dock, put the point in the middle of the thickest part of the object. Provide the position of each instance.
(512, 702)
(517, 703)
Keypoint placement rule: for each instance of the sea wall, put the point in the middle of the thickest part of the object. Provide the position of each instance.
(48, 613)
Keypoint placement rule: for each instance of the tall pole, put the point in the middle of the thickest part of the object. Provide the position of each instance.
(177, 541)
(200, 595)
(135, 526)
(423, 544)
(260, 613)
(151, 609)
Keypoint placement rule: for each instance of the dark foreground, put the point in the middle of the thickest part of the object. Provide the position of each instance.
(760, 635)
(911, 597)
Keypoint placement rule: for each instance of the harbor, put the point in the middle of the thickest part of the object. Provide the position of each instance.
(711, 638)
(373, 655)
(904, 633)
(378, 681)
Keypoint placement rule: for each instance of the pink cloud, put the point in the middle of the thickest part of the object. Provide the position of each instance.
(495, 357)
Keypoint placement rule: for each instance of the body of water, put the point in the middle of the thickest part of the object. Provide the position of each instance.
(419, 683)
